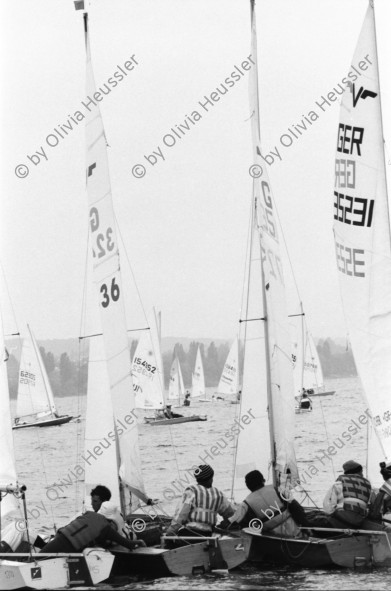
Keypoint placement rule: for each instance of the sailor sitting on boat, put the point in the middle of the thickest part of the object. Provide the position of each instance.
(305, 401)
(381, 506)
(347, 499)
(265, 508)
(168, 414)
(89, 529)
(186, 401)
(200, 506)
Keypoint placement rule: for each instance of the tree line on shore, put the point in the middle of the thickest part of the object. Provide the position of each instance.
(68, 377)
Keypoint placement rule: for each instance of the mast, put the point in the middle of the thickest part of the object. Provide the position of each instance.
(256, 135)
(108, 291)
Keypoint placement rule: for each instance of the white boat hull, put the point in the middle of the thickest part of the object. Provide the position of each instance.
(54, 571)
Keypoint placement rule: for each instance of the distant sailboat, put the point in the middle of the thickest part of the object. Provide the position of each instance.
(307, 369)
(147, 369)
(229, 381)
(176, 387)
(35, 405)
(198, 378)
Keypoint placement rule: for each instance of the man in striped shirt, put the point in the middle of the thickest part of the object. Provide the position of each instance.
(200, 506)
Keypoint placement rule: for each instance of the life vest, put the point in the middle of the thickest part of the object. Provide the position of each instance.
(379, 505)
(267, 506)
(206, 504)
(83, 530)
(356, 492)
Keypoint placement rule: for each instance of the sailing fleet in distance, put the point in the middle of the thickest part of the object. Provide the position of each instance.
(281, 374)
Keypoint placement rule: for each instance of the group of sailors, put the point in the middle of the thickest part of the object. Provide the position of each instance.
(350, 502)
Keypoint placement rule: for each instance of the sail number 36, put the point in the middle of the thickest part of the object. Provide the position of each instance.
(112, 295)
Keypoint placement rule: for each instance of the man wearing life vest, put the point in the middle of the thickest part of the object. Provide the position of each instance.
(347, 500)
(264, 509)
(200, 507)
(87, 530)
(381, 505)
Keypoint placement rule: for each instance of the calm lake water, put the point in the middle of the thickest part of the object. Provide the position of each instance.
(48, 456)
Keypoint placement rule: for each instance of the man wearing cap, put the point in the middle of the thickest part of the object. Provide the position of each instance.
(382, 503)
(347, 500)
(200, 506)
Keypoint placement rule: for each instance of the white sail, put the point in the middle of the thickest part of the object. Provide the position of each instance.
(9, 506)
(176, 386)
(267, 331)
(307, 370)
(101, 468)
(35, 396)
(107, 279)
(229, 381)
(362, 231)
(147, 369)
(198, 379)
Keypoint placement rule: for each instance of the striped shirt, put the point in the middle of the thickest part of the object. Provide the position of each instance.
(202, 505)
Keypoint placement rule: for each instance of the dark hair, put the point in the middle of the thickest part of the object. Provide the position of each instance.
(385, 471)
(254, 480)
(102, 492)
(355, 470)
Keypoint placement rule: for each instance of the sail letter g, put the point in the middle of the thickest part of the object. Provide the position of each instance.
(94, 219)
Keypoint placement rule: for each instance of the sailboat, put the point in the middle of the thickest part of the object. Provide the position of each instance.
(111, 421)
(267, 444)
(148, 378)
(229, 380)
(362, 239)
(28, 569)
(307, 369)
(198, 378)
(35, 406)
(176, 387)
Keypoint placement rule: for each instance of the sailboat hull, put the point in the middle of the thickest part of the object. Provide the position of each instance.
(321, 393)
(356, 548)
(45, 423)
(152, 421)
(211, 554)
(54, 571)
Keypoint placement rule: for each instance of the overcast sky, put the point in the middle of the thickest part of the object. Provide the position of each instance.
(185, 223)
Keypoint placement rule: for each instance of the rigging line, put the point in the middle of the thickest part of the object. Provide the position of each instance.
(83, 317)
(130, 266)
(243, 329)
